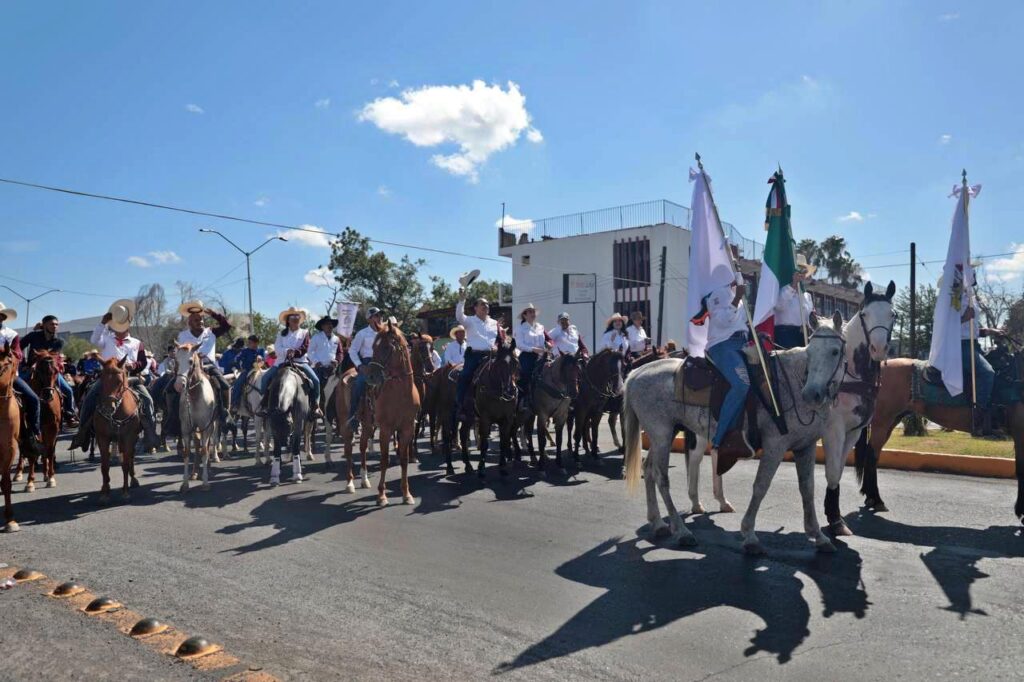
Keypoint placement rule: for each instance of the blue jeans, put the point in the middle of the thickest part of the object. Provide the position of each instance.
(984, 374)
(30, 401)
(67, 392)
(728, 358)
(269, 375)
(358, 391)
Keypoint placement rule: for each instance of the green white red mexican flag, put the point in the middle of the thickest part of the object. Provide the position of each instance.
(779, 262)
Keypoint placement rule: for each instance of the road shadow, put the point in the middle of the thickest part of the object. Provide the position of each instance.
(953, 559)
(644, 594)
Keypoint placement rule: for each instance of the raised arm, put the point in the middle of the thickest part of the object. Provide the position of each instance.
(460, 308)
(223, 326)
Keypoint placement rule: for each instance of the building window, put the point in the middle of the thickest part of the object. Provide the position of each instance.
(524, 260)
(631, 263)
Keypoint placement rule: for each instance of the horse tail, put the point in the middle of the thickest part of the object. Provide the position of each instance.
(631, 441)
(862, 454)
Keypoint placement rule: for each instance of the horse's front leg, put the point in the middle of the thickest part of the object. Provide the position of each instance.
(30, 484)
(483, 441)
(301, 435)
(20, 466)
(406, 438)
(836, 443)
(385, 445)
(205, 449)
(766, 469)
(805, 477)
(10, 525)
(718, 486)
(128, 450)
(463, 431)
(104, 446)
(365, 436)
(693, 460)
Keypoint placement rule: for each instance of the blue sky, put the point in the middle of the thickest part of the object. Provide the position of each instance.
(266, 110)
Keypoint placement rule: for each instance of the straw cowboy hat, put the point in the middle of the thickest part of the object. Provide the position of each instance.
(615, 316)
(292, 310)
(456, 328)
(529, 306)
(9, 313)
(189, 307)
(803, 266)
(122, 312)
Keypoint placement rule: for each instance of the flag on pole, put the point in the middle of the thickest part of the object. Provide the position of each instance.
(710, 263)
(778, 263)
(955, 292)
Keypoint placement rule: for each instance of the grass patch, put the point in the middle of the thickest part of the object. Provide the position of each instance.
(955, 443)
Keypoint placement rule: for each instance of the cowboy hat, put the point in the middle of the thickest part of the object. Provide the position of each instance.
(468, 278)
(529, 306)
(189, 307)
(270, 349)
(283, 316)
(325, 320)
(122, 312)
(615, 316)
(803, 266)
(456, 328)
(373, 310)
(9, 313)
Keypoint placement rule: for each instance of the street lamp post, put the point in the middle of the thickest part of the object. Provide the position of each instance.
(248, 268)
(28, 301)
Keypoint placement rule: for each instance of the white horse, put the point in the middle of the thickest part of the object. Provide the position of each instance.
(867, 346)
(249, 408)
(197, 412)
(807, 377)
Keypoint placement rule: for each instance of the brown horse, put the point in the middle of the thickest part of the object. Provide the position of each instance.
(494, 400)
(895, 401)
(396, 403)
(44, 382)
(423, 372)
(342, 400)
(601, 384)
(117, 420)
(442, 392)
(10, 431)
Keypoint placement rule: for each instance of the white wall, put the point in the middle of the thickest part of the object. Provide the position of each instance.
(540, 282)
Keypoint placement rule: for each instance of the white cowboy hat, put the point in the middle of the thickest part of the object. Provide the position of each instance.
(529, 306)
(283, 316)
(456, 328)
(270, 349)
(804, 266)
(615, 316)
(468, 278)
(189, 307)
(122, 312)
(9, 313)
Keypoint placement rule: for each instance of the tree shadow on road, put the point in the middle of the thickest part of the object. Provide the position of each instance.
(953, 559)
(644, 594)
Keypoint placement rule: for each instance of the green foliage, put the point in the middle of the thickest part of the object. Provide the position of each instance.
(443, 295)
(839, 265)
(76, 347)
(926, 297)
(1015, 320)
(266, 328)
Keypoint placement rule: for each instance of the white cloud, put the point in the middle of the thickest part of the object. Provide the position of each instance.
(1009, 268)
(138, 261)
(516, 224)
(261, 202)
(308, 235)
(805, 96)
(384, 191)
(165, 257)
(194, 109)
(324, 103)
(318, 277)
(392, 83)
(481, 119)
(949, 16)
(854, 216)
(945, 139)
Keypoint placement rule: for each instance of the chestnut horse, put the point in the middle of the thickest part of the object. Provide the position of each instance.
(342, 400)
(396, 404)
(44, 382)
(116, 420)
(10, 430)
(895, 401)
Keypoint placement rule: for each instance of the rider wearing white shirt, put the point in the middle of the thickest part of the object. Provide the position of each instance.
(205, 341)
(481, 336)
(325, 350)
(361, 352)
(455, 350)
(293, 343)
(727, 335)
(614, 338)
(532, 342)
(566, 337)
(793, 308)
(637, 335)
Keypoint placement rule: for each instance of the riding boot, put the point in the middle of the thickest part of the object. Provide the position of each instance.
(149, 438)
(225, 413)
(982, 423)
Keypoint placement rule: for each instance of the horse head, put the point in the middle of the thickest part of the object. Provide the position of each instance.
(570, 373)
(421, 345)
(8, 369)
(45, 367)
(826, 359)
(113, 378)
(185, 356)
(876, 319)
(391, 355)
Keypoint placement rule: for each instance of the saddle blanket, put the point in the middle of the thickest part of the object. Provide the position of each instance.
(926, 385)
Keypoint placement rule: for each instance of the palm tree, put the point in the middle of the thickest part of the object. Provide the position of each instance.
(810, 250)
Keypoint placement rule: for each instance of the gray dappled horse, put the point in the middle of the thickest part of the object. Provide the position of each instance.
(805, 389)
(289, 410)
(197, 413)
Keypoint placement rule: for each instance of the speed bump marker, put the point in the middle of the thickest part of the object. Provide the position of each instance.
(68, 589)
(195, 647)
(147, 626)
(27, 575)
(102, 605)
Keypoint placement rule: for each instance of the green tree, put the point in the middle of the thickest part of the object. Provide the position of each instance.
(76, 347)
(370, 276)
(266, 328)
(1015, 320)
(841, 267)
(927, 294)
(444, 295)
(811, 251)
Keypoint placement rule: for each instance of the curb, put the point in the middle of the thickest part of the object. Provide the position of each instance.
(905, 460)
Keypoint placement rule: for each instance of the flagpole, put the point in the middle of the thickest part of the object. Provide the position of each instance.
(971, 301)
(800, 284)
(750, 319)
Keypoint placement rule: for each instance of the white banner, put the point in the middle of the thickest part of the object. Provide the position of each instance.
(347, 318)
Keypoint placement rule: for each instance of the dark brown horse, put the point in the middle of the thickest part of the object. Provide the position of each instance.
(396, 403)
(117, 420)
(423, 372)
(44, 382)
(10, 430)
(600, 384)
(442, 392)
(494, 399)
(554, 388)
(895, 401)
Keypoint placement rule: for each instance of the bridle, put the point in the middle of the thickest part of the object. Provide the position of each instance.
(393, 346)
(116, 400)
(47, 391)
(833, 384)
(193, 378)
(608, 390)
(867, 381)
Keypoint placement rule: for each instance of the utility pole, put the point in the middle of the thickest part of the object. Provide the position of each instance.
(661, 292)
(28, 302)
(913, 300)
(248, 268)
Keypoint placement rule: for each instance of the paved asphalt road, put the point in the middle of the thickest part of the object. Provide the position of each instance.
(519, 579)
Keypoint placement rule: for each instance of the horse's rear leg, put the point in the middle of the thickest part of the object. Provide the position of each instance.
(30, 485)
(464, 445)
(365, 435)
(204, 452)
(309, 436)
(126, 466)
(869, 482)
(717, 485)
(484, 433)
(659, 459)
(105, 471)
(10, 525)
(297, 453)
(186, 457)
(385, 446)
(20, 467)
(405, 447)
(613, 418)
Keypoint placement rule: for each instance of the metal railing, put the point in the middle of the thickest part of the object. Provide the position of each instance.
(643, 214)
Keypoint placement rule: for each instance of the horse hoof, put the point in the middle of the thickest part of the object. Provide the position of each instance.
(365, 483)
(134, 482)
(621, 449)
(450, 471)
(298, 478)
(880, 507)
(408, 499)
(194, 477)
(274, 482)
(686, 541)
(697, 509)
(30, 487)
(839, 529)
(726, 507)
(12, 527)
(351, 487)
(382, 501)
(183, 488)
(825, 546)
(753, 548)
(662, 531)
(18, 477)
(52, 483)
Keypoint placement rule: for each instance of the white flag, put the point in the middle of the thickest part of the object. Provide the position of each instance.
(710, 262)
(347, 318)
(956, 292)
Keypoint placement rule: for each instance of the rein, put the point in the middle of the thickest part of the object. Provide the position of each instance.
(833, 385)
(116, 401)
(608, 390)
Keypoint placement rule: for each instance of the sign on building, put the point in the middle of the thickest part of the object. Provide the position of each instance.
(579, 288)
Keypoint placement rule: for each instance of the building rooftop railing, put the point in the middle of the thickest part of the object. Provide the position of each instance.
(643, 214)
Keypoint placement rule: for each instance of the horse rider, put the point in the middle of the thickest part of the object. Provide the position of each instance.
(112, 338)
(244, 362)
(727, 336)
(533, 343)
(639, 342)
(204, 340)
(90, 363)
(293, 341)
(614, 337)
(794, 308)
(481, 337)
(984, 374)
(11, 342)
(455, 350)
(566, 337)
(228, 358)
(325, 348)
(44, 338)
(167, 364)
(435, 358)
(361, 352)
